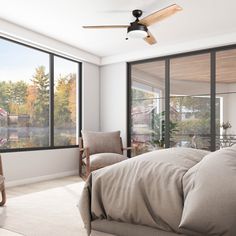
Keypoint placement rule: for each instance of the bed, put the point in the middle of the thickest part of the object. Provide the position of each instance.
(162, 193)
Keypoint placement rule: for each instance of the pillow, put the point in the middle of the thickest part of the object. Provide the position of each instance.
(210, 195)
(101, 160)
(100, 142)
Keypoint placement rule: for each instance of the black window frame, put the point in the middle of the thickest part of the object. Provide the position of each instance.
(51, 100)
(212, 53)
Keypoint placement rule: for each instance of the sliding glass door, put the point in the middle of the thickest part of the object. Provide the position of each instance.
(190, 102)
(184, 100)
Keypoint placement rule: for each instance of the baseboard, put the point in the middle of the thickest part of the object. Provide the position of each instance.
(15, 183)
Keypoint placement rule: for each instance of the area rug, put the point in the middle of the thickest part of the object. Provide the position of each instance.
(51, 212)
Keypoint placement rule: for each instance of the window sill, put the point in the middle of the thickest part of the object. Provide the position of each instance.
(37, 149)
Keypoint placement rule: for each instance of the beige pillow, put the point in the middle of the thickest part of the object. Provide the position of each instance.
(101, 160)
(210, 195)
(102, 142)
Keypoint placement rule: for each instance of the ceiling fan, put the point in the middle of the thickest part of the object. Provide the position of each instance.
(139, 28)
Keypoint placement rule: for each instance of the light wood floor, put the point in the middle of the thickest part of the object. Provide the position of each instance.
(36, 187)
(40, 186)
(4, 232)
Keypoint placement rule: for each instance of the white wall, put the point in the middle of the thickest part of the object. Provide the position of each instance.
(26, 167)
(91, 97)
(113, 98)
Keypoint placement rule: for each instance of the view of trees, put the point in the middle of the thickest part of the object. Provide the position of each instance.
(192, 116)
(147, 125)
(65, 102)
(33, 99)
(31, 102)
(189, 121)
(13, 96)
(65, 110)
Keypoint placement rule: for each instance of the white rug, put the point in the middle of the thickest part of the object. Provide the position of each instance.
(51, 212)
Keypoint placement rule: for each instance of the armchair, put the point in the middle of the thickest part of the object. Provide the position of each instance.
(100, 149)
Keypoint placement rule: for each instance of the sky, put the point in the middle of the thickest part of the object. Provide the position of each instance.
(18, 62)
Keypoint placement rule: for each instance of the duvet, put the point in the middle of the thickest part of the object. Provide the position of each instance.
(145, 190)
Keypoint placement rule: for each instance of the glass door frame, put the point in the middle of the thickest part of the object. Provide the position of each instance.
(212, 53)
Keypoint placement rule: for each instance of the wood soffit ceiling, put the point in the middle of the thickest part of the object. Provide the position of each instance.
(195, 68)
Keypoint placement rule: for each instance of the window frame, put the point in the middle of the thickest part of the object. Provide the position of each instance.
(51, 100)
(212, 53)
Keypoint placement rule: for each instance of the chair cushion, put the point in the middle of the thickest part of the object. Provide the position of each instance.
(209, 191)
(101, 160)
(102, 142)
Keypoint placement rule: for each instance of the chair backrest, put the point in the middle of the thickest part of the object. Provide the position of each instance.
(102, 142)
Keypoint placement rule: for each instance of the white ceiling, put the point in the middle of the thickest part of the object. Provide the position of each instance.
(63, 20)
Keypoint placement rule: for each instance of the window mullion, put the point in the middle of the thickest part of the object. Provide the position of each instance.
(51, 102)
(213, 100)
(167, 103)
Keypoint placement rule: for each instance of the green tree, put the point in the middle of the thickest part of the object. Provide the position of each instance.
(142, 98)
(72, 98)
(62, 111)
(14, 96)
(158, 129)
(4, 96)
(41, 105)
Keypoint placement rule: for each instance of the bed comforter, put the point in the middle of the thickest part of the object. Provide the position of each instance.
(144, 190)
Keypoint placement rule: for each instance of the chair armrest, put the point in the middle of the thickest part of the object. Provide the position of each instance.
(133, 149)
(82, 149)
(87, 156)
(84, 153)
(128, 148)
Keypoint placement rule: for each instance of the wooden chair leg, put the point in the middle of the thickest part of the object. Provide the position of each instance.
(80, 163)
(87, 162)
(3, 193)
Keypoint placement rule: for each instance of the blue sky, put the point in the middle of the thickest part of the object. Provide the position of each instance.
(18, 62)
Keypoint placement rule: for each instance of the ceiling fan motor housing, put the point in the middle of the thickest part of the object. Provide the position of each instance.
(137, 13)
(135, 26)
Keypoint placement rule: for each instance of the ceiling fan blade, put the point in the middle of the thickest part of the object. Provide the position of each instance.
(150, 38)
(160, 15)
(105, 26)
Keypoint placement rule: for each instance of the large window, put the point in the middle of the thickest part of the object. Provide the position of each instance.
(33, 115)
(185, 100)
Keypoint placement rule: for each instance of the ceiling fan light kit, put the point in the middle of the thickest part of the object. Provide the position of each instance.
(139, 28)
(136, 30)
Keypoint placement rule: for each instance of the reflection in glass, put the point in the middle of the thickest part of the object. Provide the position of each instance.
(190, 102)
(148, 103)
(226, 94)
